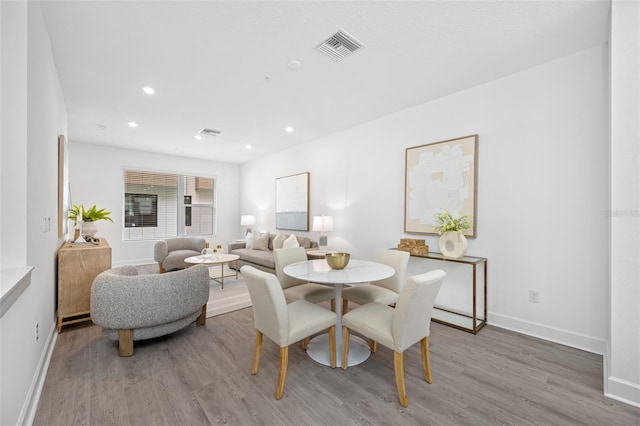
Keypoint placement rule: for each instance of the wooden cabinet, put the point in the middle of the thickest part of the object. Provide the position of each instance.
(78, 265)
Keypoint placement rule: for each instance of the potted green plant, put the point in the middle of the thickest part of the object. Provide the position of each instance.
(87, 217)
(452, 242)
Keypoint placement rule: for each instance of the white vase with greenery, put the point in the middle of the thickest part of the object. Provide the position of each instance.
(452, 242)
(85, 218)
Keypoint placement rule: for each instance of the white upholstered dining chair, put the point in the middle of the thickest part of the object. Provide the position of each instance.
(383, 291)
(400, 328)
(294, 288)
(284, 324)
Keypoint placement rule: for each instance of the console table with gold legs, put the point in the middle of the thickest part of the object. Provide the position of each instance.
(463, 321)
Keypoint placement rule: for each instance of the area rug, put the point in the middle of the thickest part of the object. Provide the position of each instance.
(234, 296)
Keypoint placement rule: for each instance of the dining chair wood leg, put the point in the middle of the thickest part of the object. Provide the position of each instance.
(332, 346)
(398, 363)
(333, 305)
(282, 374)
(373, 346)
(256, 353)
(305, 343)
(345, 306)
(426, 362)
(345, 347)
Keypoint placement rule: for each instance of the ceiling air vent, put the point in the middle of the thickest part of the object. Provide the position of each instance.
(209, 132)
(340, 45)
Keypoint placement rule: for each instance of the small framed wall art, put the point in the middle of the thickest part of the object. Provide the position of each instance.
(292, 202)
(441, 176)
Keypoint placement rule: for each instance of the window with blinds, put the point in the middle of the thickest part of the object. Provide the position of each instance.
(161, 205)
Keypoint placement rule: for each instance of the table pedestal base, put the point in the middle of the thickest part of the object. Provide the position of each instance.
(318, 350)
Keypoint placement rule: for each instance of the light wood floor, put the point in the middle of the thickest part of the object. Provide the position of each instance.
(201, 376)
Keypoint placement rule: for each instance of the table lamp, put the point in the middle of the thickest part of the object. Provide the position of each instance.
(248, 221)
(323, 224)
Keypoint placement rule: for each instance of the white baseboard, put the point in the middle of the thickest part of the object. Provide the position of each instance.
(28, 412)
(553, 334)
(623, 391)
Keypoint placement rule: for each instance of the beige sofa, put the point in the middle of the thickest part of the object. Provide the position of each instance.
(263, 259)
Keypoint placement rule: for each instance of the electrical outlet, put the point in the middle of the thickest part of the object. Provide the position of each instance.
(534, 296)
(37, 335)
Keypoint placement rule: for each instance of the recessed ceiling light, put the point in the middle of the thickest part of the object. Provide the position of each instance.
(148, 90)
(293, 64)
(198, 137)
(289, 129)
(248, 146)
(133, 124)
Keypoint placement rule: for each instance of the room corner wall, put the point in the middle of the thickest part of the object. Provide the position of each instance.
(32, 237)
(623, 361)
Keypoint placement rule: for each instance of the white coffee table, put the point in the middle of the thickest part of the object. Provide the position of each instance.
(221, 260)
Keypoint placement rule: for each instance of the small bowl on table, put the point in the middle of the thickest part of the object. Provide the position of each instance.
(337, 260)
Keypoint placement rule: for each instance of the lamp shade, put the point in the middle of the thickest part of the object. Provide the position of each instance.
(247, 220)
(323, 223)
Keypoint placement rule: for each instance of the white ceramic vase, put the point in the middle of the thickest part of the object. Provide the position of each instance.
(453, 245)
(88, 229)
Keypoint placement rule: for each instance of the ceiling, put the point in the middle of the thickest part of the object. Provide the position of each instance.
(223, 64)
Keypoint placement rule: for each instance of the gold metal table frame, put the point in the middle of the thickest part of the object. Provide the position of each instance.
(226, 259)
(470, 323)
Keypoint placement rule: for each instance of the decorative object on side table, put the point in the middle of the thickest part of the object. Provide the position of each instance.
(87, 217)
(337, 260)
(207, 252)
(323, 224)
(248, 221)
(452, 243)
(413, 246)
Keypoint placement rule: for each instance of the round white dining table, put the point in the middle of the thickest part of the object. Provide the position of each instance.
(356, 272)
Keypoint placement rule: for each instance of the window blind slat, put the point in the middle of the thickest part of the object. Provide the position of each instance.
(165, 187)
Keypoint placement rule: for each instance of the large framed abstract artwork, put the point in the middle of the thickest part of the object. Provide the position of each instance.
(441, 176)
(292, 202)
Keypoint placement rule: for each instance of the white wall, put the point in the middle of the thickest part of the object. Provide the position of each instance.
(32, 161)
(542, 190)
(95, 177)
(623, 381)
(13, 153)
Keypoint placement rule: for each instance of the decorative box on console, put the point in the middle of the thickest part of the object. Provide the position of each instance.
(413, 246)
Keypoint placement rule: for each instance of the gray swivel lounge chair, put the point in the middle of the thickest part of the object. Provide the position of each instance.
(171, 253)
(133, 307)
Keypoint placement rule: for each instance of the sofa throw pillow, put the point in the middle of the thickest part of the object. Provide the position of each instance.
(248, 240)
(290, 242)
(278, 241)
(261, 242)
(304, 242)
